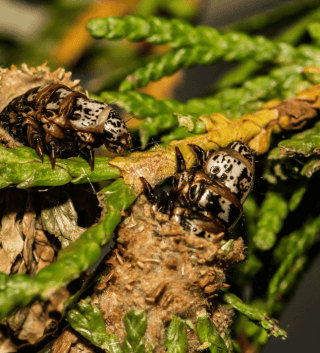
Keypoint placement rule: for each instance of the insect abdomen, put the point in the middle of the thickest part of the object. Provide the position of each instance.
(56, 120)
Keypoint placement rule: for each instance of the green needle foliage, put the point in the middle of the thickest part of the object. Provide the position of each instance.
(193, 45)
(22, 167)
(274, 210)
(161, 115)
(258, 315)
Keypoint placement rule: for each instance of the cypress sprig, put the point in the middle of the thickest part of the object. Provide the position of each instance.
(281, 83)
(142, 105)
(256, 129)
(300, 242)
(313, 29)
(258, 315)
(181, 34)
(22, 167)
(311, 167)
(305, 143)
(21, 290)
(194, 45)
(297, 196)
(274, 211)
(205, 55)
(290, 35)
(155, 126)
(277, 14)
(88, 320)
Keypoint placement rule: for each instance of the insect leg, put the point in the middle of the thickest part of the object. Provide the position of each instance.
(162, 202)
(34, 140)
(91, 157)
(148, 191)
(199, 152)
(181, 164)
(53, 153)
(39, 148)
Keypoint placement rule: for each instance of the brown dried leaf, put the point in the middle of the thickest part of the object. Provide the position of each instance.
(60, 218)
(65, 341)
(11, 237)
(72, 342)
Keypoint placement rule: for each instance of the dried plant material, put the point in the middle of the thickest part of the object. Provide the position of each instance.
(6, 344)
(65, 341)
(29, 324)
(160, 268)
(14, 81)
(24, 247)
(59, 217)
(11, 237)
(72, 342)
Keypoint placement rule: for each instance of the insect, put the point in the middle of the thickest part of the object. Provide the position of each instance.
(207, 199)
(56, 120)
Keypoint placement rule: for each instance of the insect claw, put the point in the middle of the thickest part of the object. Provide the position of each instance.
(53, 156)
(148, 191)
(39, 149)
(180, 161)
(200, 153)
(91, 158)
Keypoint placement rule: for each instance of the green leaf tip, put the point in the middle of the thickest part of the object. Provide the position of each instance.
(88, 320)
(258, 315)
(209, 336)
(136, 324)
(176, 338)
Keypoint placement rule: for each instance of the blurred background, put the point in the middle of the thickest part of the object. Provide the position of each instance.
(34, 31)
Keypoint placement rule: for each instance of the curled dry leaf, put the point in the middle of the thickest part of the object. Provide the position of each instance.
(59, 217)
(72, 342)
(24, 247)
(11, 237)
(29, 324)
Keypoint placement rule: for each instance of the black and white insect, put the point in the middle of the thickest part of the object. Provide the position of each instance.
(207, 199)
(56, 120)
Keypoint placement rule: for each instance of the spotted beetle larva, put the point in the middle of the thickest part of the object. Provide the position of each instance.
(207, 199)
(56, 120)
